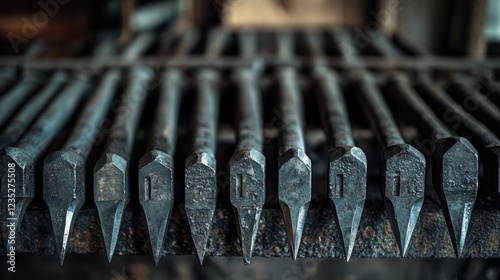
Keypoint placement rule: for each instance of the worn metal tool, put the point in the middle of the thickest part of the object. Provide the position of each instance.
(64, 170)
(295, 172)
(32, 145)
(455, 165)
(474, 102)
(247, 165)
(347, 163)
(201, 185)
(156, 167)
(403, 166)
(20, 122)
(111, 172)
(294, 166)
(465, 124)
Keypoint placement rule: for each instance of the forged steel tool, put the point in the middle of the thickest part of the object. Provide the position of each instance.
(403, 166)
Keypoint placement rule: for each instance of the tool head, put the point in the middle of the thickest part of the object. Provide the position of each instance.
(156, 195)
(294, 192)
(403, 190)
(64, 193)
(347, 191)
(456, 182)
(248, 194)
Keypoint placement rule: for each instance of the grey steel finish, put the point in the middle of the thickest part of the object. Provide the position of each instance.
(294, 166)
(32, 145)
(247, 165)
(455, 165)
(295, 172)
(201, 185)
(403, 166)
(64, 170)
(347, 163)
(475, 103)
(111, 185)
(465, 124)
(20, 122)
(156, 167)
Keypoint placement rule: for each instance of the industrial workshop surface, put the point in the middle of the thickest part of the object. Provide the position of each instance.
(265, 142)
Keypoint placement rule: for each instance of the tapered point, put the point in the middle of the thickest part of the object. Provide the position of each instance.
(156, 196)
(404, 185)
(200, 223)
(248, 226)
(457, 186)
(64, 193)
(110, 217)
(347, 183)
(295, 218)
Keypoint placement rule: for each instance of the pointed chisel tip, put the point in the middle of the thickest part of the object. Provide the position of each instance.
(110, 217)
(247, 194)
(294, 217)
(64, 194)
(111, 196)
(404, 184)
(156, 196)
(294, 192)
(457, 185)
(201, 197)
(248, 223)
(200, 223)
(347, 183)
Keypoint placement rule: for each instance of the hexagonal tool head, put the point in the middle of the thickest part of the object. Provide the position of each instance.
(456, 179)
(294, 192)
(403, 173)
(201, 197)
(347, 191)
(19, 186)
(64, 193)
(111, 196)
(156, 195)
(248, 194)
(491, 159)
